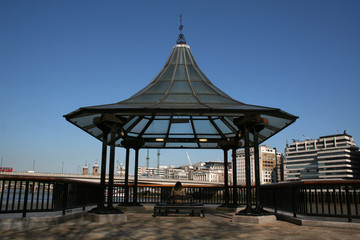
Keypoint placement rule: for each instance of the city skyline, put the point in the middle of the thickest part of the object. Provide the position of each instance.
(300, 56)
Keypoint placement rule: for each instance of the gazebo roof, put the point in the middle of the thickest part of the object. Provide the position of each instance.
(179, 108)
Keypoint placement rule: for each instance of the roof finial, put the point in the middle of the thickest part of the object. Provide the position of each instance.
(181, 38)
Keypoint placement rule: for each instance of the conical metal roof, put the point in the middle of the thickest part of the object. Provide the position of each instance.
(180, 108)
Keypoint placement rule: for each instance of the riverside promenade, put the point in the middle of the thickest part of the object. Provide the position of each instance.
(215, 225)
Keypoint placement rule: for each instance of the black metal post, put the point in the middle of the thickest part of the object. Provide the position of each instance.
(135, 200)
(276, 167)
(103, 170)
(234, 172)
(25, 197)
(111, 169)
(257, 171)
(126, 200)
(247, 170)
(226, 178)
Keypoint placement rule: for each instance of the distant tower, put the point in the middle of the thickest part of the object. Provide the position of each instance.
(158, 162)
(147, 164)
(85, 170)
(96, 169)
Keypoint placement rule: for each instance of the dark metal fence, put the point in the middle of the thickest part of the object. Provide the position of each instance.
(317, 198)
(156, 194)
(39, 194)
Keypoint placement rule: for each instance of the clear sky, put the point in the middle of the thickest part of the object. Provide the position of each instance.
(56, 56)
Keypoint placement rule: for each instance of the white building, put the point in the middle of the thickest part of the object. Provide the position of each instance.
(211, 172)
(329, 157)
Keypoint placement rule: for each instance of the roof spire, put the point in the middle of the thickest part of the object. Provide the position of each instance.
(181, 38)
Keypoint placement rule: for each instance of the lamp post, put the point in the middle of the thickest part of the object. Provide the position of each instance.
(1, 161)
(34, 165)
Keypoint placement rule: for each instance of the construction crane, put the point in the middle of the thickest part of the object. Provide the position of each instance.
(190, 166)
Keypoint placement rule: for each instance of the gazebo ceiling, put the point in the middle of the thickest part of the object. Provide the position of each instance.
(180, 108)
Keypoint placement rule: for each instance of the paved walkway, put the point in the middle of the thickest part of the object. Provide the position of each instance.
(213, 226)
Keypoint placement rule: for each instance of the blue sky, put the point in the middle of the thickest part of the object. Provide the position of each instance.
(57, 56)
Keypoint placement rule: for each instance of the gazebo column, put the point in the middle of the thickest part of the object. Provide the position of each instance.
(226, 177)
(254, 124)
(111, 169)
(259, 124)
(257, 170)
(247, 171)
(136, 144)
(234, 173)
(126, 197)
(135, 191)
(103, 169)
(225, 145)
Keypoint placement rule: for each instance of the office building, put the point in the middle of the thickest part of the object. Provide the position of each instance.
(329, 157)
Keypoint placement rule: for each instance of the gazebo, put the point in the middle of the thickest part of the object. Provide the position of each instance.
(180, 109)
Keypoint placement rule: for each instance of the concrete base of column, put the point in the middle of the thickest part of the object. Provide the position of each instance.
(104, 218)
(253, 219)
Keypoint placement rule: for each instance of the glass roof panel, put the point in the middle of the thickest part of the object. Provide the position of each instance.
(179, 145)
(130, 122)
(85, 121)
(95, 131)
(180, 73)
(180, 98)
(187, 58)
(140, 126)
(224, 129)
(230, 122)
(181, 136)
(180, 87)
(214, 99)
(266, 132)
(181, 56)
(154, 144)
(169, 72)
(203, 127)
(208, 136)
(194, 76)
(174, 57)
(145, 98)
(158, 126)
(202, 88)
(275, 121)
(181, 128)
(209, 145)
(159, 87)
(154, 135)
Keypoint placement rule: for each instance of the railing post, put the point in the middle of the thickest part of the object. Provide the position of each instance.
(293, 199)
(274, 198)
(65, 196)
(348, 203)
(26, 198)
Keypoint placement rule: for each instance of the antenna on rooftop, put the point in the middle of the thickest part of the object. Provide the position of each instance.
(181, 38)
(147, 164)
(158, 161)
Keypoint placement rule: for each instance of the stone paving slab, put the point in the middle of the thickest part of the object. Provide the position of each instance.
(213, 226)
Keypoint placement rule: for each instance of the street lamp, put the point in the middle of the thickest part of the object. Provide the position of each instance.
(34, 165)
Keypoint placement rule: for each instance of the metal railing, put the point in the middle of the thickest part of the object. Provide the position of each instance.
(314, 198)
(23, 194)
(42, 194)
